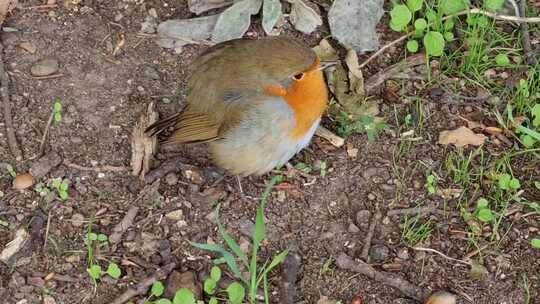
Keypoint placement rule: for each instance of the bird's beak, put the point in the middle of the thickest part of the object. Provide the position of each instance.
(326, 64)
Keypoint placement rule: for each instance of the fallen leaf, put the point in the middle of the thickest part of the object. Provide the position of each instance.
(201, 6)
(493, 130)
(23, 181)
(356, 78)
(325, 51)
(353, 23)
(461, 137)
(179, 32)
(143, 146)
(234, 21)
(271, 14)
(28, 46)
(304, 18)
(449, 193)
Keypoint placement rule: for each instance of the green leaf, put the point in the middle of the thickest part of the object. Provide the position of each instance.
(400, 16)
(535, 243)
(504, 181)
(163, 301)
(536, 114)
(482, 203)
(236, 293)
(56, 183)
(450, 7)
(434, 43)
(231, 243)
(514, 184)
(449, 24)
(184, 296)
(57, 117)
(502, 59)
(415, 5)
(209, 286)
(213, 300)
(63, 186)
(530, 132)
(227, 256)
(114, 271)
(537, 185)
(94, 271)
(493, 5)
(102, 237)
(157, 289)
(271, 14)
(485, 215)
(448, 36)
(57, 107)
(278, 259)
(63, 195)
(430, 178)
(420, 24)
(431, 15)
(215, 273)
(91, 236)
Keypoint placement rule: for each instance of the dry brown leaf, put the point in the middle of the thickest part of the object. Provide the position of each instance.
(461, 137)
(493, 130)
(142, 145)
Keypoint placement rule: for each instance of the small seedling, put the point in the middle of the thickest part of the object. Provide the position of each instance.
(257, 274)
(57, 111)
(11, 171)
(431, 183)
(347, 126)
(535, 243)
(323, 168)
(483, 212)
(303, 167)
(508, 183)
(61, 187)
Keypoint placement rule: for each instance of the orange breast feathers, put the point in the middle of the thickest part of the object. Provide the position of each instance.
(307, 96)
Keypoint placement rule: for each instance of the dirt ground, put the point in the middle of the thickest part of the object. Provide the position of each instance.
(102, 96)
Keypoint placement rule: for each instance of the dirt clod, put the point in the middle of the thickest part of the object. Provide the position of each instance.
(179, 280)
(44, 165)
(45, 67)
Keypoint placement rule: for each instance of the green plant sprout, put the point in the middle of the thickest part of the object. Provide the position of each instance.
(94, 269)
(61, 187)
(57, 111)
(347, 126)
(483, 212)
(431, 184)
(236, 291)
(11, 171)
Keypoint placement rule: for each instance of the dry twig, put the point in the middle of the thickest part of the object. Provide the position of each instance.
(6, 103)
(142, 287)
(44, 137)
(170, 165)
(414, 210)
(441, 254)
(380, 77)
(335, 140)
(525, 38)
(103, 168)
(124, 224)
(369, 236)
(343, 261)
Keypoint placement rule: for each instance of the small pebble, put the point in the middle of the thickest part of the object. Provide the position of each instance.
(175, 215)
(379, 253)
(23, 181)
(171, 179)
(441, 297)
(403, 254)
(371, 196)
(362, 218)
(77, 220)
(44, 67)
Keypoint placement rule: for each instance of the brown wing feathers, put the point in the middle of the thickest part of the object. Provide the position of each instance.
(188, 128)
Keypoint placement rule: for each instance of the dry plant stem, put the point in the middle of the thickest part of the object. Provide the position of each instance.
(6, 103)
(471, 11)
(475, 252)
(415, 210)
(44, 137)
(525, 38)
(369, 236)
(53, 76)
(124, 224)
(381, 76)
(47, 230)
(142, 287)
(343, 261)
(335, 140)
(103, 168)
(441, 254)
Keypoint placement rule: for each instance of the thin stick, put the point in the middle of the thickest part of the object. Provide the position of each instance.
(143, 286)
(343, 261)
(367, 240)
(471, 11)
(335, 140)
(525, 38)
(441, 254)
(475, 252)
(53, 76)
(43, 6)
(414, 210)
(103, 168)
(6, 102)
(44, 137)
(47, 230)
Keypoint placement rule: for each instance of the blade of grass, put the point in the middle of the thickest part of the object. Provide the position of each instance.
(278, 259)
(231, 243)
(227, 257)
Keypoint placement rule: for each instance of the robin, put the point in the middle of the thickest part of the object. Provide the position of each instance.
(255, 102)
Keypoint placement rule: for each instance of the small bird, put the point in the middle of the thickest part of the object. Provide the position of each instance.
(255, 102)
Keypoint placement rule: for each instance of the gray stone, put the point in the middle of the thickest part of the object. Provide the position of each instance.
(44, 67)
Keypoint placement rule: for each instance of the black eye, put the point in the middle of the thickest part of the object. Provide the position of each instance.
(299, 76)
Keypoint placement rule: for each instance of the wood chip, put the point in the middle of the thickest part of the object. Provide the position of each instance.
(143, 146)
(461, 137)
